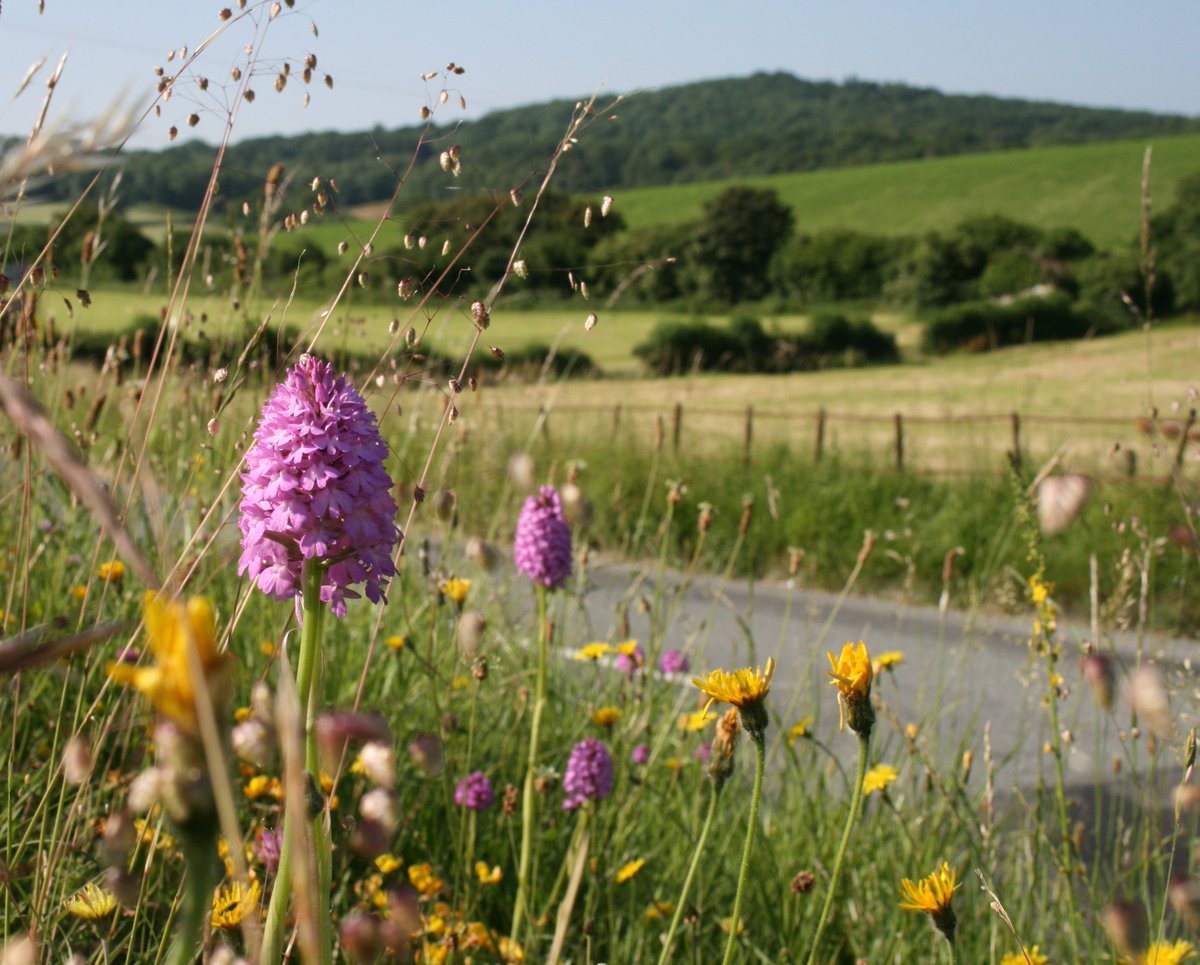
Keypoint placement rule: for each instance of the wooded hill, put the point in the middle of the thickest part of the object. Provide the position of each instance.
(763, 124)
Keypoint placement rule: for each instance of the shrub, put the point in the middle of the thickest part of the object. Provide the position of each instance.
(858, 340)
(1008, 273)
(978, 326)
(838, 264)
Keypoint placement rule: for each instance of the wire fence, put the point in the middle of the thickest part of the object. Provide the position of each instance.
(949, 444)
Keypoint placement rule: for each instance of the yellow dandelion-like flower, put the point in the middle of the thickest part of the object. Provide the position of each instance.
(697, 721)
(510, 952)
(657, 910)
(233, 903)
(799, 730)
(932, 895)
(455, 590)
(1016, 958)
(488, 876)
(1169, 953)
(727, 925)
(629, 870)
(673, 764)
(886, 661)
(852, 674)
(593, 651)
(606, 716)
(267, 647)
(91, 903)
(396, 642)
(461, 682)
(256, 787)
(111, 572)
(878, 778)
(242, 713)
(745, 689)
(388, 863)
(627, 647)
(174, 628)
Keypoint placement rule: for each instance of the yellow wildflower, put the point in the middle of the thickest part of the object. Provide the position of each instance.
(627, 647)
(673, 764)
(175, 628)
(696, 721)
(1016, 958)
(932, 895)
(510, 952)
(658, 909)
(256, 787)
(852, 675)
(233, 903)
(746, 689)
(267, 647)
(727, 924)
(488, 877)
(1039, 590)
(886, 661)
(91, 903)
(461, 682)
(421, 877)
(396, 642)
(388, 863)
(878, 778)
(799, 730)
(111, 572)
(593, 651)
(629, 870)
(1168, 953)
(606, 716)
(455, 590)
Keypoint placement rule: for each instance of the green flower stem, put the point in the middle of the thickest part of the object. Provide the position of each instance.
(691, 874)
(528, 800)
(864, 747)
(200, 864)
(760, 757)
(953, 951)
(312, 613)
(1067, 859)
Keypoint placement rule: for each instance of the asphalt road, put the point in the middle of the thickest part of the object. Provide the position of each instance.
(960, 672)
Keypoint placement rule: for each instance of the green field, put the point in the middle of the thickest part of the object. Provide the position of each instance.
(1093, 187)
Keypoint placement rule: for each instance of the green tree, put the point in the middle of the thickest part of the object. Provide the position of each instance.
(737, 237)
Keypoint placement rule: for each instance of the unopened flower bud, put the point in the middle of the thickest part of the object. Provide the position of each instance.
(254, 742)
(469, 632)
(379, 805)
(445, 501)
(1097, 670)
(704, 524)
(479, 669)
(720, 763)
(379, 763)
(1128, 928)
(146, 790)
(480, 315)
(77, 761)
(522, 472)
(120, 837)
(370, 839)
(482, 553)
(123, 885)
(360, 937)
(426, 751)
(510, 800)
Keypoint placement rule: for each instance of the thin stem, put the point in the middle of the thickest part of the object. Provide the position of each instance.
(760, 757)
(691, 874)
(307, 694)
(197, 900)
(528, 799)
(864, 748)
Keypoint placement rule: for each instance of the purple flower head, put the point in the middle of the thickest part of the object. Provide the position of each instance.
(474, 791)
(542, 548)
(673, 662)
(627, 663)
(702, 753)
(315, 489)
(640, 753)
(589, 774)
(267, 846)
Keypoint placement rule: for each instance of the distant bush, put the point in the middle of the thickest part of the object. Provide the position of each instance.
(979, 326)
(831, 341)
(529, 362)
(855, 340)
(1009, 273)
(1106, 279)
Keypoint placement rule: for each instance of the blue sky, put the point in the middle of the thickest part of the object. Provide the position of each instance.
(1098, 52)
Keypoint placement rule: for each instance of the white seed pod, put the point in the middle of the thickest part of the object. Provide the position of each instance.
(379, 762)
(445, 247)
(520, 269)
(606, 206)
(410, 242)
(587, 217)
(590, 322)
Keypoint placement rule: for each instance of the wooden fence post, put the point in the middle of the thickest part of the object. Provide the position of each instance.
(616, 426)
(1016, 440)
(676, 426)
(544, 423)
(899, 420)
(748, 437)
(658, 432)
(819, 447)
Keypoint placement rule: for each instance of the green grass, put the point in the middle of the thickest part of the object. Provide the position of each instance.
(1094, 188)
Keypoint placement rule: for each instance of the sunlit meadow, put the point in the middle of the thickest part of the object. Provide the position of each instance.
(302, 663)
